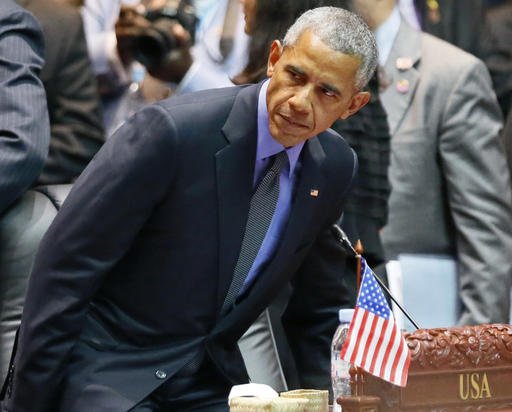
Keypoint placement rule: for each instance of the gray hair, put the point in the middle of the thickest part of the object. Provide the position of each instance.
(342, 31)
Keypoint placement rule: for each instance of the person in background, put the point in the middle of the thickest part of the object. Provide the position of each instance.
(193, 216)
(24, 129)
(496, 52)
(219, 51)
(455, 21)
(205, 54)
(124, 85)
(24, 142)
(265, 21)
(458, 22)
(507, 139)
(450, 184)
(73, 101)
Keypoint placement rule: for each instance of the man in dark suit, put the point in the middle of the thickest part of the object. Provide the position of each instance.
(73, 100)
(24, 131)
(136, 301)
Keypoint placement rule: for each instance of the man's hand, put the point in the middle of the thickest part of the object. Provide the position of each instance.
(174, 66)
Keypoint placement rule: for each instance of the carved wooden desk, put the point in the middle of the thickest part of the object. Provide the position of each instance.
(452, 369)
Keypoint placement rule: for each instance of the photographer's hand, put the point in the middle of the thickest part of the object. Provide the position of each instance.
(129, 26)
(178, 61)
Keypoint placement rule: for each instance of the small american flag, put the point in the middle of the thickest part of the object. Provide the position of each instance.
(374, 341)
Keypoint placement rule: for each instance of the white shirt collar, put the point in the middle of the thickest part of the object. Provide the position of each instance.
(385, 35)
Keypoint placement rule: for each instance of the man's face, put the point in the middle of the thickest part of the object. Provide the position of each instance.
(311, 86)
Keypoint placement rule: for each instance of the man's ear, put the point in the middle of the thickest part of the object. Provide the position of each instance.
(359, 100)
(276, 50)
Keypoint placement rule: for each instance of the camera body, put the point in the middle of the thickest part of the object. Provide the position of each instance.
(155, 42)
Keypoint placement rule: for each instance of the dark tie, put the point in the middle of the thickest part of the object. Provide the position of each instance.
(261, 209)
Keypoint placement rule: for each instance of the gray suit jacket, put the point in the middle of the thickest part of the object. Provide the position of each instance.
(450, 184)
(24, 130)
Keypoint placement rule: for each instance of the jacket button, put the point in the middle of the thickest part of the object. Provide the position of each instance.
(160, 374)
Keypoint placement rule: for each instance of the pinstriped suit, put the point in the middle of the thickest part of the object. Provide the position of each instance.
(24, 130)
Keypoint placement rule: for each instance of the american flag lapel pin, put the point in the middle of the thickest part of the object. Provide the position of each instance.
(314, 192)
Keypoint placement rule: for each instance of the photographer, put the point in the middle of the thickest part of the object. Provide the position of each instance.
(159, 38)
(220, 48)
(113, 31)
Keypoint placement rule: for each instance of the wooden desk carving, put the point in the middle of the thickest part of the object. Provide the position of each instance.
(452, 370)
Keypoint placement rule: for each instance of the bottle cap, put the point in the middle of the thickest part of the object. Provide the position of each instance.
(345, 315)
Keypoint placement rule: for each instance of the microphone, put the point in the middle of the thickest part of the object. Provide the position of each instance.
(342, 237)
(344, 240)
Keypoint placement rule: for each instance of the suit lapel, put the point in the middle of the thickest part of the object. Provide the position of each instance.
(404, 76)
(304, 204)
(235, 170)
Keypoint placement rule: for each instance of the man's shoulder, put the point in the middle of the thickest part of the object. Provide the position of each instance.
(13, 14)
(8, 7)
(211, 106)
(204, 97)
(438, 52)
(336, 147)
(332, 137)
(16, 21)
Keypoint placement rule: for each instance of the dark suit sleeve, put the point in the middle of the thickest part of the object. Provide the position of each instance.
(73, 101)
(319, 291)
(95, 227)
(24, 130)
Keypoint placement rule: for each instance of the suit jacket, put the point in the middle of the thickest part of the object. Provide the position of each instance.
(137, 282)
(507, 140)
(73, 100)
(24, 130)
(450, 184)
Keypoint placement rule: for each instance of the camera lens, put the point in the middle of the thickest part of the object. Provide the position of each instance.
(155, 43)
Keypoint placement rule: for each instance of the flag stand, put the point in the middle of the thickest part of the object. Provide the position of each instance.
(353, 352)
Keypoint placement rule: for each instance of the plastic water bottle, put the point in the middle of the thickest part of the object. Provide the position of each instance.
(340, 376)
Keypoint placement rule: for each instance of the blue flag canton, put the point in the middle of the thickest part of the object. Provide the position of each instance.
(371, 297)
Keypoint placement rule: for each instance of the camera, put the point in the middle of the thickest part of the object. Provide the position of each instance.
(155, 42)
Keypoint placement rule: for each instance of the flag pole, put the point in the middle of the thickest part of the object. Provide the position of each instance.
(342, 237)
(359, 376)
(383, 286)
